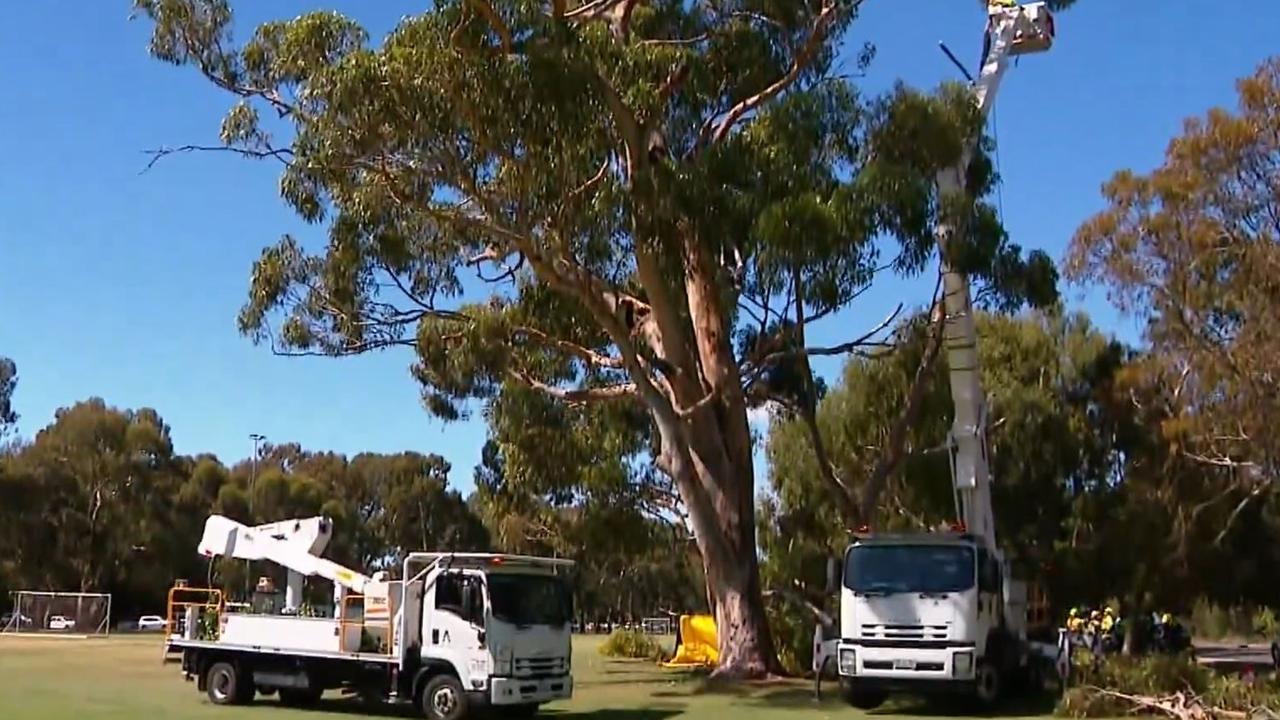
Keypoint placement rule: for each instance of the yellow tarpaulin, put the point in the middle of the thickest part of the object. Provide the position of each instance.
(697, 645)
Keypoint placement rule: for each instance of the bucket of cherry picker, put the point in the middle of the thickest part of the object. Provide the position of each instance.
(1034, 30)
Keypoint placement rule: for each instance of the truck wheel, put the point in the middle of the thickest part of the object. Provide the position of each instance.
(222, 684)
(444, 699)
(988, 685)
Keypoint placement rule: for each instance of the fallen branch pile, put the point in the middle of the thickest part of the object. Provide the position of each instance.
(1186, 706)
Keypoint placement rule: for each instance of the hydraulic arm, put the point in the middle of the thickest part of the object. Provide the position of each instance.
(293, 544)
(1012, 30)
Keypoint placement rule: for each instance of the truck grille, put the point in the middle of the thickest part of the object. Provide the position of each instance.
(541, 667)
(924, 633)
(913, 667)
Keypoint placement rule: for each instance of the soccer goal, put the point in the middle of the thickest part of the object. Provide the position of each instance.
(58, 612)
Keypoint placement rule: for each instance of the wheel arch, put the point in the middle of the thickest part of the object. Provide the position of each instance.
(429, 669)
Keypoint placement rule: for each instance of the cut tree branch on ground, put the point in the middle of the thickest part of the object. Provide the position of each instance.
(1184, 706)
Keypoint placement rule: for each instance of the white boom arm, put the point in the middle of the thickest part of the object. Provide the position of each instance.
(293, 544)
(1011, 30)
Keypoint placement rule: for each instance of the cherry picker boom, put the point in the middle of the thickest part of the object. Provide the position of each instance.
(941, 611)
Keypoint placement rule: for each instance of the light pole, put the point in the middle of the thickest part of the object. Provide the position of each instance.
(253, 467)
(253, 479)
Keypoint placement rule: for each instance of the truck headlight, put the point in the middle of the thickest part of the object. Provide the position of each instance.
(502, 657)
(848, 661)
(962, 664)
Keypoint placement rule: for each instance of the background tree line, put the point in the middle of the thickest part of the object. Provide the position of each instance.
(98, 501)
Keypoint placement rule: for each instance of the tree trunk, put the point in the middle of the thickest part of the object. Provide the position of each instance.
(726, 538)
(742, 629)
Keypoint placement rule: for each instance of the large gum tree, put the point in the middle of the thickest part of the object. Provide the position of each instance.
(654, 198)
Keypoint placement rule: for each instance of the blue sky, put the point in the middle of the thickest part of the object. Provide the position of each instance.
(126, 285)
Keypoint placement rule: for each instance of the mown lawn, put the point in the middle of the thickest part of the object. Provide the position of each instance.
(124, 679)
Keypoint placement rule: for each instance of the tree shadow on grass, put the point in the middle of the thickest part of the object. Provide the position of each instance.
(614, 714)
(797, 694)
(1039, 704)
(355, 707)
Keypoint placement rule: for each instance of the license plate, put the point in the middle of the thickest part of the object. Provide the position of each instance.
(904, 664)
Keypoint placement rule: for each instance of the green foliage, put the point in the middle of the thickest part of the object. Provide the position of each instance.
(631, 644)
(631, 561)
(1073, 425)
(1159, 676)
(792, 625)
(8, 383)
(98, 501)
(1266, 624)
(1190, 249)
(1217, 622)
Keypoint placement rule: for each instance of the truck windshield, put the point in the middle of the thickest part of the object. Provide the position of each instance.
(529, 599)
(910, 568)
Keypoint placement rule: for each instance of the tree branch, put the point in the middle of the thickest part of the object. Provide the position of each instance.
(577, 396)
(892, 454)
(591, 357)
(802, 60)
(841, 349)
(495, 256)
(809, 414)
(281, 154)
(1235, 514)
(699, 38)
(495, 21)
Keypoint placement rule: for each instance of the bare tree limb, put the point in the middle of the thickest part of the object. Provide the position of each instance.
(495, 256)
(892, 454)
(495, 21)
(716, 133)
(1239, 508)
(842, 349)
(590, 183)
(699, 38)
(579, 395)
(809, 414)
(591, 357)
(281, 154)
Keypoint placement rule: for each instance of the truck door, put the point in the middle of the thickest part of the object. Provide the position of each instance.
(457, 620)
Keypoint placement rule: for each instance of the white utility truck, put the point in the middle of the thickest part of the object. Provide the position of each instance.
(940, 611)
(457, 632)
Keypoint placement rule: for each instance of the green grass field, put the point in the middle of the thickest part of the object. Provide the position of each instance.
(124, 679)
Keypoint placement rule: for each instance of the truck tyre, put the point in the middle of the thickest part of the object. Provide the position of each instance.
(444, 699)
(222, 684)
(988, 687)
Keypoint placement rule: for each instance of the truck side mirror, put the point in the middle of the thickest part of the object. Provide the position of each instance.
(472, 602)
(833, 575)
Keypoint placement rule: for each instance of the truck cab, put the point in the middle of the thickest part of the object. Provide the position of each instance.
(931, 612)
(504, 627)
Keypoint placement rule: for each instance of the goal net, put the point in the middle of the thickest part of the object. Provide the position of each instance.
(58, 612)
